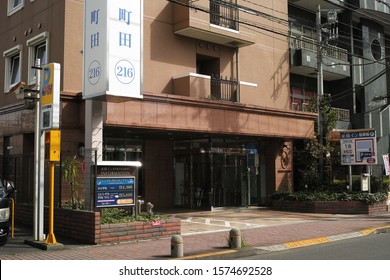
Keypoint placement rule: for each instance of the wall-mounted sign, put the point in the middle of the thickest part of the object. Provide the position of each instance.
(358, 147)
(113, 38)
(50, 96)
(386, 164)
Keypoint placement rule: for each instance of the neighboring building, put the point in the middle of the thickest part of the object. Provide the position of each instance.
(215, 120)
(355, 63)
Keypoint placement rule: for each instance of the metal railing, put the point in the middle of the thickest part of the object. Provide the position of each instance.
(224, 13)
(310, 44)
(223, 89)
(342, 114)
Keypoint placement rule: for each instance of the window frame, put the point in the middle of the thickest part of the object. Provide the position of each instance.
(32, 45)
(8, 59)
(13, 9)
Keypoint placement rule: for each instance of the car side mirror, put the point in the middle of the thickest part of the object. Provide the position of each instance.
(10, 188)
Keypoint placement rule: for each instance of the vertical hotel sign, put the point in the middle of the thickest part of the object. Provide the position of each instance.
(113, 36)
(50, 96)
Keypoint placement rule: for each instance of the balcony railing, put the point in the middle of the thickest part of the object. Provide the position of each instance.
(223, 13)
(224, 89)
(310, 44)
(342, 114)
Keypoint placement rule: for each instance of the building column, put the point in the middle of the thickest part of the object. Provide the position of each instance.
(93, 147)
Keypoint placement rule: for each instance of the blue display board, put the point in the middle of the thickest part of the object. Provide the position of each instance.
(115, 191)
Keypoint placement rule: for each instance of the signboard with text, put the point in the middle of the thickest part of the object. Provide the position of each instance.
(113, 37)
(115, 185)
(358, 147)
(114, 191)
(50, 96)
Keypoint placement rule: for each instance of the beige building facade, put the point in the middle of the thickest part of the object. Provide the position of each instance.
(214, 127)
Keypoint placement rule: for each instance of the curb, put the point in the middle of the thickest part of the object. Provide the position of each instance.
(252, 251)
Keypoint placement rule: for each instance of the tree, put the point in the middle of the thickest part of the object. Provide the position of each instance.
(307, 155)
(70, 174)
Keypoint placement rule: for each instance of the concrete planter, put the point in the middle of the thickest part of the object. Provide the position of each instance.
(330, 207)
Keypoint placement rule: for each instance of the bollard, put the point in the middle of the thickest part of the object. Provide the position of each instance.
(235, 238)
(176, 246)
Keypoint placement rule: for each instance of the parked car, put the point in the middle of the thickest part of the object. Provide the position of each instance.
(5, 193)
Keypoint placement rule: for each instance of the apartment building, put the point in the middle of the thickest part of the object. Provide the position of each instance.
(215, 126)
(354, 61)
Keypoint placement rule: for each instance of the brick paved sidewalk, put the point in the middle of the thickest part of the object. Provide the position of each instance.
(213, 242)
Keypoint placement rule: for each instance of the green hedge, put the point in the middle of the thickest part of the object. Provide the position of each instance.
(365, 197)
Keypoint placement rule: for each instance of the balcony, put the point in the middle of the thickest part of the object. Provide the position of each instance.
(211, 21)
(303, 59)
(207, 87)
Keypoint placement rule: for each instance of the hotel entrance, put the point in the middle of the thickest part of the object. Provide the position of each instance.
(216, 174)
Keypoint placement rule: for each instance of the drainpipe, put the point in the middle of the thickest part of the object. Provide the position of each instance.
(238, 74)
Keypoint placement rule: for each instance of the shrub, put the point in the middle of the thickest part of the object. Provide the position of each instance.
(117, 215)
(368, 198)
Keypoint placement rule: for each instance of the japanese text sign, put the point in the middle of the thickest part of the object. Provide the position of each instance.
(113, 37)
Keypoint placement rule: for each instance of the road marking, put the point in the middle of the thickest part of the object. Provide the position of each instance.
(307, 242)
(207, 255)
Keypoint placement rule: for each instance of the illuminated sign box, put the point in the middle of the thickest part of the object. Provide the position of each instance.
(113, 38)
(116, 184)
(50, 96)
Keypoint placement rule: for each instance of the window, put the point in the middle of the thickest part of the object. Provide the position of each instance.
(14, 6)
(301, 98)
(37, 50)
(15, 70)
(13, 67)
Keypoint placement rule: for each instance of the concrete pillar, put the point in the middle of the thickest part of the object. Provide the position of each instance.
(93, 142)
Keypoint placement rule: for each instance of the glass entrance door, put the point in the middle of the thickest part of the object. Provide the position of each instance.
(225, 176)
(182, 180)
(230, 180)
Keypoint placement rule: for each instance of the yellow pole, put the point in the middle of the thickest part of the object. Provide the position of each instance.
(13, 217)
(51, 239)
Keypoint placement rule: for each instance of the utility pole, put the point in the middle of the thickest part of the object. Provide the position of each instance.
(332, 30)
(320, 93)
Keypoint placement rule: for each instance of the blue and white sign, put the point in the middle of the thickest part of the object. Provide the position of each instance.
(113, 41)
(358, 147)
(114, 191)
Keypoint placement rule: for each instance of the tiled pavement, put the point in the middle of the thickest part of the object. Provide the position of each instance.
(207, 232)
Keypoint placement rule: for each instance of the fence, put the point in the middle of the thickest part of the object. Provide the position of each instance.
(224, 89)
(224, 14)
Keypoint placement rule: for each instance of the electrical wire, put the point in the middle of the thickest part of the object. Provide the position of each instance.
(346, 93)
(285, 34)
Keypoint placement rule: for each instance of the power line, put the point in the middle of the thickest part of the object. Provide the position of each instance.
(281, 32)
(346, 93)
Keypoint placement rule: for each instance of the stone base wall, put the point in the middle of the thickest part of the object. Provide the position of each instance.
(330, 207)
(85, 226)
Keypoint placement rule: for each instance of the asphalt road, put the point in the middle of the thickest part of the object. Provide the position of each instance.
(371, 247)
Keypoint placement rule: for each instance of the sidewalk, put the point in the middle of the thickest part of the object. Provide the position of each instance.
(205, 236)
